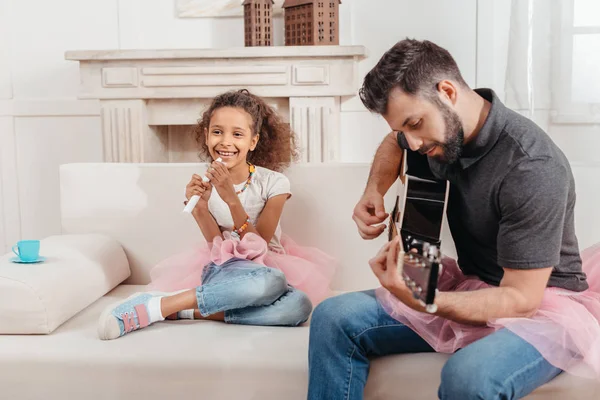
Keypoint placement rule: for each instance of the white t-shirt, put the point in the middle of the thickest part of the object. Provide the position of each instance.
(264, 185)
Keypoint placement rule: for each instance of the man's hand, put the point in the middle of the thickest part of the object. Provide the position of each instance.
(385, 268)
(369, 215)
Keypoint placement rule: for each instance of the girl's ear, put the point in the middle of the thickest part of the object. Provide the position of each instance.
(254, 142)
(206, 136)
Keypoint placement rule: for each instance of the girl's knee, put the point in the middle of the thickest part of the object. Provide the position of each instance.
(274, 284)
(298, 308)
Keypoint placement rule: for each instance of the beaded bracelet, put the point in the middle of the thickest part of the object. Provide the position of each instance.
(238, 231)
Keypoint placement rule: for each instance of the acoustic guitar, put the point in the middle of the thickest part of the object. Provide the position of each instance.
(418, 218)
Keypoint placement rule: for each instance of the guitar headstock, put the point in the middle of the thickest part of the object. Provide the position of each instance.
(419, 264)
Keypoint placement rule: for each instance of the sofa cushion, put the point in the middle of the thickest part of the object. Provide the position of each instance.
(417, 377)
(79, 269)
(178, 359)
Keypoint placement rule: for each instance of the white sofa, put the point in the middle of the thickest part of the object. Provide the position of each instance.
(140, 206)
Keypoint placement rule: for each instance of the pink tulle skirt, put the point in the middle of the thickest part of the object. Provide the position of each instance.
(306, 268)
(565, 329)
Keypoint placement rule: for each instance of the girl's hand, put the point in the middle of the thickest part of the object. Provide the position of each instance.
(197, 187)
(221, 180)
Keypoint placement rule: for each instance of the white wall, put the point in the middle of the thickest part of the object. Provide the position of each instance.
(451, 24)
(42, 124)
(579, 141)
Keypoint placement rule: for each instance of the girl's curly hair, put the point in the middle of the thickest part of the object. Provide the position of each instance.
(276, 148)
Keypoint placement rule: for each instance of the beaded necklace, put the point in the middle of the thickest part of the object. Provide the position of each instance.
(251, 170)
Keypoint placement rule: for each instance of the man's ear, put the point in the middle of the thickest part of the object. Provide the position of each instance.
(448, 90)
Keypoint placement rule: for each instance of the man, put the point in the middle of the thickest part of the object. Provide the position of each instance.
(510, 212)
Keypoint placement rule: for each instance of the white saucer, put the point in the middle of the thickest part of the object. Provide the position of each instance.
(19, 261)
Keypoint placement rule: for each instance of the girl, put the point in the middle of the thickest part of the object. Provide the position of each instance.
(249, 273)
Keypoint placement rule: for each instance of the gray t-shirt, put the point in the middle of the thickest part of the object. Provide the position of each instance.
(511, 201)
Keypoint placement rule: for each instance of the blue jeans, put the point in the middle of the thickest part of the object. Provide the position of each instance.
(251, 294)
(348, 330)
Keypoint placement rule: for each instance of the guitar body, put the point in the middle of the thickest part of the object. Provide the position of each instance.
(418, 217)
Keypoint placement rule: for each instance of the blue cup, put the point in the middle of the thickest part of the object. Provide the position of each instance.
(27, 250)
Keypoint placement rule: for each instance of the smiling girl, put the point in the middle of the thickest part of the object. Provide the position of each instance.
(248, 273)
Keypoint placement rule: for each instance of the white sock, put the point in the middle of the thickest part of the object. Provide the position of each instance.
(185, 314)
(154, 309)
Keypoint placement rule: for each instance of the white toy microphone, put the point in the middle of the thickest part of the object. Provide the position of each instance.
(195, 198)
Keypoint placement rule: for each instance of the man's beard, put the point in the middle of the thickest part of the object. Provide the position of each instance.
(454, 135)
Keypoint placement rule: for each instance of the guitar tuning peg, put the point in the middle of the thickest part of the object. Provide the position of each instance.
(431, 308)
(432, 252)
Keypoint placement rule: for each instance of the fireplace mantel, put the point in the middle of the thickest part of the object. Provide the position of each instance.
(142, 92)
(233, 52)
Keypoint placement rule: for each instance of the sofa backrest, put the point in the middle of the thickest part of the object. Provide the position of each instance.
(140, 205)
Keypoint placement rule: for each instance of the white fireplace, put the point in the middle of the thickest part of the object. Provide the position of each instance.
(151, 98)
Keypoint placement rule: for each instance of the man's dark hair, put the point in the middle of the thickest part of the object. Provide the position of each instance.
(415, 67)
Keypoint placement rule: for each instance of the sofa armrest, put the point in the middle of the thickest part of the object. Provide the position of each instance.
(79, 269)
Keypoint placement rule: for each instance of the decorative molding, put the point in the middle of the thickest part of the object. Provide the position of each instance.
(49, 108)
(307, 81)
(314, 75)
(277, 52)
(127, 136)
(315, 120)
(215, 79)
(119, 77)
(299, 72)
(216, 70)
(119, 144)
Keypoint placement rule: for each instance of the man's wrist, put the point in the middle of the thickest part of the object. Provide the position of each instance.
(372, 188)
